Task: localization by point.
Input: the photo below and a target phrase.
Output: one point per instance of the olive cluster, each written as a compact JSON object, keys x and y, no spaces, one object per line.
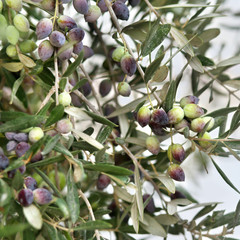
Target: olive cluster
{"x":186,"y":116}
{"x":15,"y":30}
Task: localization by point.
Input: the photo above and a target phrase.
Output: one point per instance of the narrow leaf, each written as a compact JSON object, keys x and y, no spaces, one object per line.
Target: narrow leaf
{"x":33,"y":216}
{"x":72,"y":197}
{"x":92,"y":225}
{"x":15,"y":88}
{"x":223,"y":175}
{"x":72,"y":67}
{"x":55,"y":115}
{"x":156,"y":35}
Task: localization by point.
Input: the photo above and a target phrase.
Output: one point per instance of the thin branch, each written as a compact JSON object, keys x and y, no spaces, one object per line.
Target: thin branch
{"x":91,"y":84}
{"x":90,"y":211}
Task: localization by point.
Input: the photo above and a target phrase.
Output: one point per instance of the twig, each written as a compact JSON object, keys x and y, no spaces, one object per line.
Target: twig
{"x":47,"y":98}
{"x":91,"y":84}
{"x":90,"y":211}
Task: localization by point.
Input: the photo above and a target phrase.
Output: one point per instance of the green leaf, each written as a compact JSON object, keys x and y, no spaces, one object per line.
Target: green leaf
{"x":137,"y":30}
{"x":47,"y":76}
{"x":195,"y":63}
{"x":72,"y":67}
{"x":170,"y":98}
{"x":134,"y":215}
{"x":206,"y":61}
{"x":17,"y":181}
{"x":235,"y":121}
{"x":209,"y":34}
{"x":21,"y":123}
{"x":182,"y":41}
{"x":83,"y":145}
{"x":7,"y":115}
{"x":107,"y":168}
{"x":11,"y":229}
{"x":62,"y":84}
{"x":156,"y":35}
{"x":51,"y":160}
{"x":21,"y":95}
{"x":61,"y":149}
{"x":50,"y":144}
{"x":44,"y":110}
{"x":104,"y":134}
{"x":79,"y":84}
{"x":16,"y":86}
{"x":161,"y":74}
{"x":55,"y":115}
{"x":72,"y":197}
{"x":153,"y":227}
{"x":223,"y":175}
{"x":5,"y":194}
{"x":222,"y":112}
{"x":152,"y":68}
{"x":229,"y":62}
{"x":92,"y":225}
{"x":33,"y":216}
{"x":100,"y":119}
{"x":204,"y":211}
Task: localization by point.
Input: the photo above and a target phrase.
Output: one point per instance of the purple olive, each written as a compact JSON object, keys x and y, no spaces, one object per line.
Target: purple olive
{"x":150,"y":207}
{"x":25,"y":197}
{"x":42,"y":196}
{"x":121,"y":10}
{"x":22,"y":148}
{"x":66,"y":23}
{"x":103,"y":181}
{"x":45,"y":50}
{"x":81,"y":6}
{"x":4,"y":162}
{"x":143,"y":116}
{"x":75,"y":35}
{"x":30,"y":183}
{"x":176,"y":172}
{"x":44,"y":28}
{"x":128,"y":64}
{"x":57,"y":39}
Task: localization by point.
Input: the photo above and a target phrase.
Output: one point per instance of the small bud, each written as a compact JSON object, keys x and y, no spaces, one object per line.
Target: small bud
{"x":176,"y":152}
{"x":152,"y":144}
{"x":176,"y":172}
{"x":187,"y":100}
{"x":64,"y":98}
{"x":124,"y":89}
{"x":175,"y":115}
{"x":193,"y":111}
{"x":35,"y":134}
{"x":143,"y":116}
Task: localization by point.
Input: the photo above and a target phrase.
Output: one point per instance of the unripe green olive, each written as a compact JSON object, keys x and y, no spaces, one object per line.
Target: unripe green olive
{"x":27,"y":46}
{"x":175,"y":115}
{"x":211,"y":122}
{"x":118,"y":53}
{"x":152,"y":144}
{"x":11,"y":51}
{"x":12,"y":34}
{"x":14,"y":4}
{"x":21,"y":23}
{"x":124,"y":89}
{"x":143,"y":116}
{"x":193,"y":111}
{"x":35,"y":134}
{"x":1,"y":5}
{"x":64,"y":99}
{"x":205,"y":144}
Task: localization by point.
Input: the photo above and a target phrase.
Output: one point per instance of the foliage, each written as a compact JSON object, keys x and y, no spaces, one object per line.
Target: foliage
{"x":91,"y":143}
